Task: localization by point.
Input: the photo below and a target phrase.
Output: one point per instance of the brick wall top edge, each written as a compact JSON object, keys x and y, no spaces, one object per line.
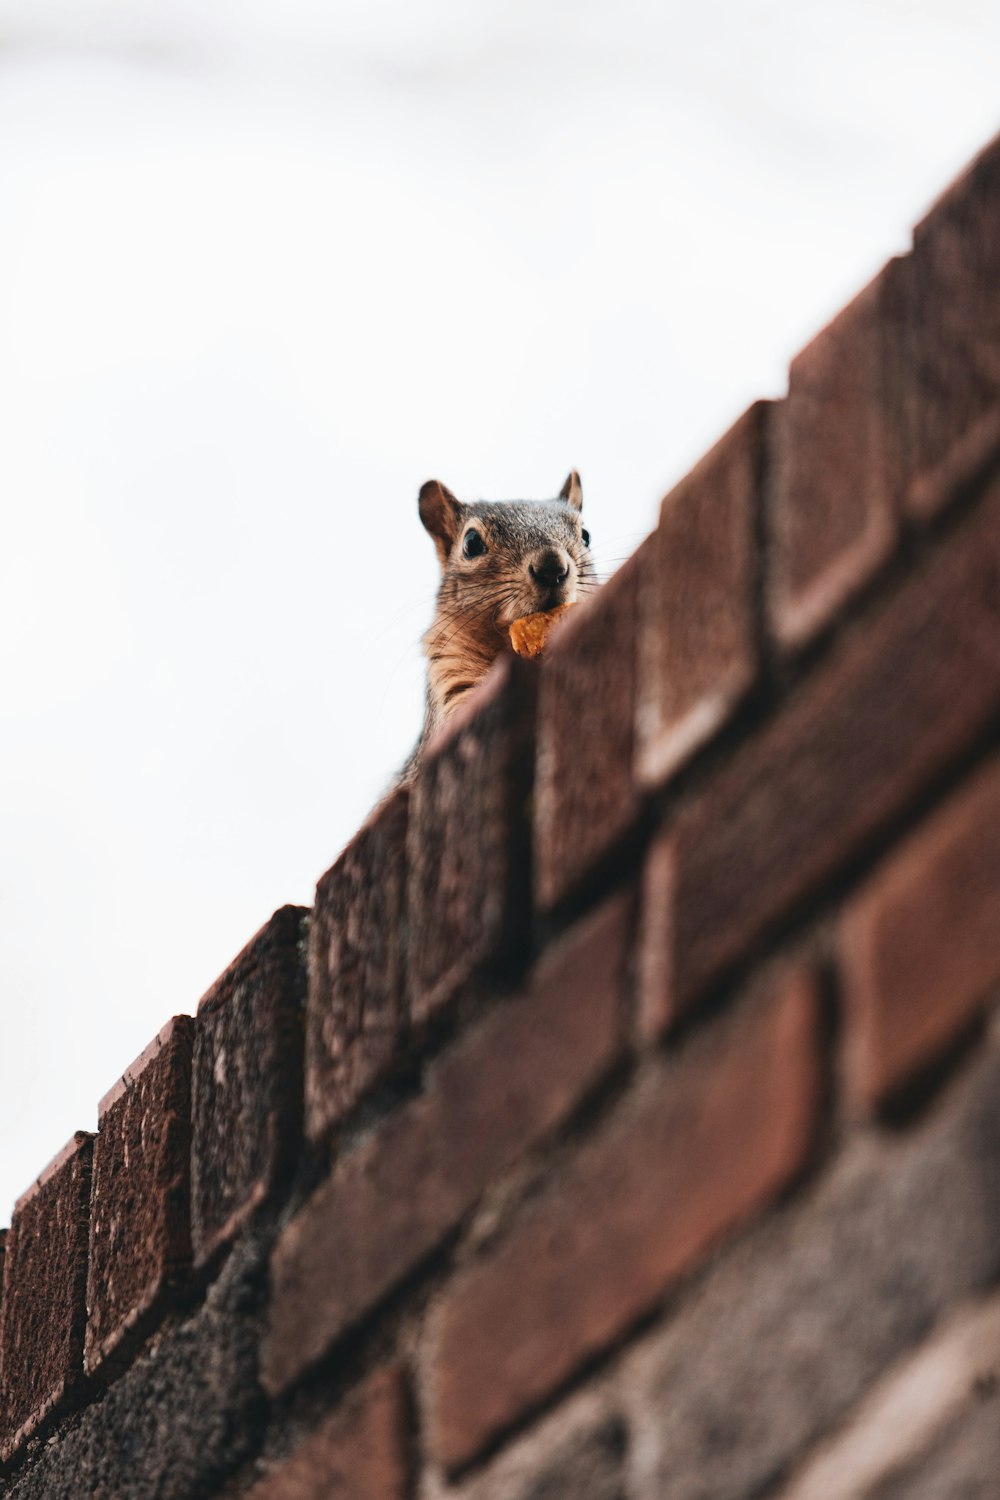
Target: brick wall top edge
{"x":135,"y":1069}
{"x":72,"y":1146}
{"x":985,"y":158}
{"x":708,"y":461}
{"x":843,"y":315}
{"x":473,"y":703}
{"x":289,"y":911}
{"x":395,"y":796}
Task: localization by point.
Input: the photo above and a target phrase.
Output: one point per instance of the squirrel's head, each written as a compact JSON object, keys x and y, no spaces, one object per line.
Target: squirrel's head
{"x":499,"y":562}
{"x":520,"y":556}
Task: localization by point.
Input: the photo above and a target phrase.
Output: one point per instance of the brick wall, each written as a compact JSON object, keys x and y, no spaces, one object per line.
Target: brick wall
{"x":623,"y":1121}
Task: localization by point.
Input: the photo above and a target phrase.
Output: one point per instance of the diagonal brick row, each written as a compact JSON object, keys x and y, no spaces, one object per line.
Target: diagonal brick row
{"x":623,"y":987}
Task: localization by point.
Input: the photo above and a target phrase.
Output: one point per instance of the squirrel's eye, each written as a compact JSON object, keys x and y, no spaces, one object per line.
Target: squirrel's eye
{"x":473,"y":544}
{"x":585,"y":536}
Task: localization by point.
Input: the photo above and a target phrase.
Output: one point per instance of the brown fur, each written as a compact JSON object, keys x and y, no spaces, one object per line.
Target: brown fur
{"x":535,"y":558}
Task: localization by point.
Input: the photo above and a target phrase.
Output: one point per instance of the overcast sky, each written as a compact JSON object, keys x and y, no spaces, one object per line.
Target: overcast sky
{"x":264,"y":268}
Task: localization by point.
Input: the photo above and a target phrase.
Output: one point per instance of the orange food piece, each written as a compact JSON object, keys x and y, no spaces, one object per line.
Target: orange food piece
{"x":529,"y":634}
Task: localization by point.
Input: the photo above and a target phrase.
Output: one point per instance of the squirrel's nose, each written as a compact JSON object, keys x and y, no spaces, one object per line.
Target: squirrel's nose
{"x":549,"y":567}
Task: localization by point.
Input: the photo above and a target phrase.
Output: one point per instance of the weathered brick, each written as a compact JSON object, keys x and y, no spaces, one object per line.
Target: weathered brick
{"x":692,"y":1154}
{"x":921,"y":942}
{"x":247,"y":1084}
{"x":589,"y":1466}
{"x":952,"y":362}
{"x":358,"y":1453}
{"x":585,"y":793}
{"x":964,"y":1464}
{"x":904,"y":1415}
{"x":900,"y":699}
{"x":185,"y":1414}
{"x":44,"y":1296}
{"x":502,"y":1087}
{"x":794,"y":1323}
{"x":357,"y":945}
{"x":696,"y":654}
{"x":140,"y":1226}
{"x":837,"y":456}
{"x":468,"y":889}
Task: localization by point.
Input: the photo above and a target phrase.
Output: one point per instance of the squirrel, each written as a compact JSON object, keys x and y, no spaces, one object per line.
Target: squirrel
{"x":499,"y":562}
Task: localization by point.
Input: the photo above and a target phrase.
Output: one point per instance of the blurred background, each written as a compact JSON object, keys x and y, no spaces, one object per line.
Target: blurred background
{"x":265,"y":266}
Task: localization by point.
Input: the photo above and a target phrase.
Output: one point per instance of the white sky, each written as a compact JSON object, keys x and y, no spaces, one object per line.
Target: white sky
{"x":264,"y":268}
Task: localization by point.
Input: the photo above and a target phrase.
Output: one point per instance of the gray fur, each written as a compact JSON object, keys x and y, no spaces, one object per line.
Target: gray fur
{"x":479,"y":598}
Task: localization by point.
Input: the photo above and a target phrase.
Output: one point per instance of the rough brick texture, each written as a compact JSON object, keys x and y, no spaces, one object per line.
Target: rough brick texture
{"x":953,"y":337}
{"x":468,"y":898}
{"x":176,"y":1423}
{"x":590,"y":1465}
{"x":862,"y":737}
{"x":357,"y":948}
{"x":836,"y":455}
{"x":697,"y":1152}
{"x":247,"y":1086}
{"x":963,"y":1464}
{"x":921,"y":942}
{"x":585,"y":795}
{"x":44,"y":1295}
{"x":796,"y":1323}
{"x":511,"y":1080}
{"x":920,"y":1397}
{"x":140,"y":1227}
{"x":359,"y":1453}
{"x":624,"y":1123}
{"x":696,"y":651}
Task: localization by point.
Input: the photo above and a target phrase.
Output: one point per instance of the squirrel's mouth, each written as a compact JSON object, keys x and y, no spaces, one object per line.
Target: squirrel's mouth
{"x":535,"y":601}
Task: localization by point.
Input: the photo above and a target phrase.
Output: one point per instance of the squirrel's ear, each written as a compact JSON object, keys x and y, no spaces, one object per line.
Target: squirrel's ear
{"x":572,"y":490}
{"x":441,"y":515}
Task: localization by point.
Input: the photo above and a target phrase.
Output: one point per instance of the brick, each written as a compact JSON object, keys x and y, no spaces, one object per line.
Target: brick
{"x":779,"y":1343}
{"x":501,"y":1088}
{"x":468,"y":887}
{"x":953,"y":337}
{"x":697,"y":655}
{"x":354,"y":1009}
{"x":965,"y":1463}
{"x":247,"y":1084}
{"x":921,"y":942}
{"x":140,"y":1225}
{"x":837,"y":456}
{"x":692,"y":1154}
{"x":44,"y":1296}
{"x":358,"y":1453}
{"x":181,"y":1418}
{"x":903,"y":696}
{"x":589,"y":1466}
{"x":585,"y":793}
{"x":906,"y":1413}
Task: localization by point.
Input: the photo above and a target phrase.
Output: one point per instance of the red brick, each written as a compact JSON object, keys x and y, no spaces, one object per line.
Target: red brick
{"x":921,"y":942}
{"x":44,"y":1296}
{"x":696,"y":634}
{"x":501,"y":1088}
{"x":358,"y":1453}
{"x":140,"y":1226}
{"x":903,"y":695}
{"x":247,"y":1083}
{"x":354,"y":1009}
{"x":585,"y":795}
{"x":688,"y":1157}
{"x":468,"y":890}
{"x":952,"y":365}
{"x":836,"y":463}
